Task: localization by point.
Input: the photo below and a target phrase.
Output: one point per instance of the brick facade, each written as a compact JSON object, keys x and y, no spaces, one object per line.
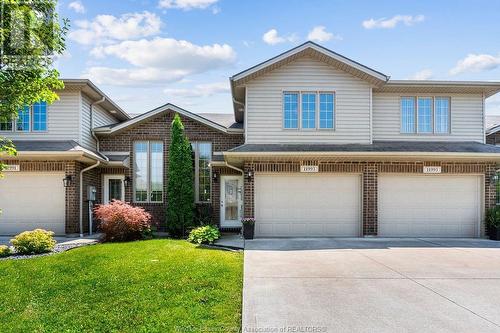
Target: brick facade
{"x":493,"y":139}
{"x":370,"y":172}
{"x":158,"y":128}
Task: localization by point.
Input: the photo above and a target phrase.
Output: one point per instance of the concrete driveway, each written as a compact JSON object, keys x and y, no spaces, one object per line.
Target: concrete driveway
{"x":371,"y":285}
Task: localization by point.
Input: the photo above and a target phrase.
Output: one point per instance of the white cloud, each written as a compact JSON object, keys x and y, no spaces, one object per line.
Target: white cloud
{"x":186,"y":4}
{"x":132,"y":76}
{"x":160,"y":60}
{"x":424,"y":74}
{"x":200,"y":90}
{"x":476,"y":63}
{"x":319,"y":34}
{"x":77,"y":6}
{"x":109,"y":28}
{"x":384,"y":23}
{"x":170,"y":53}
{"x":272,"y":37}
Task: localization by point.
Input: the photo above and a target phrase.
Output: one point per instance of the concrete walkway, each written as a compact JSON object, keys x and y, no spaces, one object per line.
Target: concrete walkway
{"x":371,"y":285}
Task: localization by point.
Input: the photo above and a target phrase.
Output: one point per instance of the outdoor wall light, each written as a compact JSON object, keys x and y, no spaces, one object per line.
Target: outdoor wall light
{"x":249,"y":174}
{"x":215,"y":176}
{"x":494,"y":178}
{"x":127,"y":181}
{"x":67,"y":180}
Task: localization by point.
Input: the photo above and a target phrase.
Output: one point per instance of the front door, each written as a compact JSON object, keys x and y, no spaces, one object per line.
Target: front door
{"x":113,"y":188}
{"x":231,"y":201}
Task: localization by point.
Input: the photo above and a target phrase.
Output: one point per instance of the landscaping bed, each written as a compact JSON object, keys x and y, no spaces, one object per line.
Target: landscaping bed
{"x":150,"y":286}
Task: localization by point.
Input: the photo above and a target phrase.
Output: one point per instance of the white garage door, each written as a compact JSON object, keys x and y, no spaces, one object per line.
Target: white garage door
{"x":311,"y":205}
{"x":429,"y":206}
{"x":32,"y":200}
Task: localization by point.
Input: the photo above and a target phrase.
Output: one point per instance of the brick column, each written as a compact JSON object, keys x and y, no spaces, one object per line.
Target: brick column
{"x":490,"y":192}
{"x":249,"y":192}
{"x":370,"y":188}
{"x":73,"y":168}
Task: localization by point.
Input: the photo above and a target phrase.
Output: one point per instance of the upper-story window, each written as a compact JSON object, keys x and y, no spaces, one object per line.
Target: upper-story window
{"x":425,"y":115}
{"x":202,"y":152}
{"x":291,"y":110}
{"x":326,"y":110}
{"x":316,"y":110}
{"x":30,"y":118}
{"x":148,"y":171}
{"x":308,"y":110}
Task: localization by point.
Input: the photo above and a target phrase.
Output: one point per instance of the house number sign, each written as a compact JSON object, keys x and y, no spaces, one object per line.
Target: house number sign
{"x":309,"y":168}
{"x":432,"y":169}
{"x":12,"y":168}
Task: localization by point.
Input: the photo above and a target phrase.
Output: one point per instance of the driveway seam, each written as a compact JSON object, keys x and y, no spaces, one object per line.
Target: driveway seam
{"x":432,"y":290}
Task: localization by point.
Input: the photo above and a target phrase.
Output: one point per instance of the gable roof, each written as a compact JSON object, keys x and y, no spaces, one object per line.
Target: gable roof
{"x":310,"y":49}
{"x":216,"y":121}
{"x":91,"y":90}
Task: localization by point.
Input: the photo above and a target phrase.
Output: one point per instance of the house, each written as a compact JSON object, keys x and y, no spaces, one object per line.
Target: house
{"x":318,"y":146}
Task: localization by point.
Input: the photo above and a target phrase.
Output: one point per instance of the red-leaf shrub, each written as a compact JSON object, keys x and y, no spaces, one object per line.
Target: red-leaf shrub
{"x":123,"y":222}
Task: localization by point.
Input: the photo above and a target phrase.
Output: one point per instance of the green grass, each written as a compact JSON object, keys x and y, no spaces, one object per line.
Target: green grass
{"x":146,"y":286}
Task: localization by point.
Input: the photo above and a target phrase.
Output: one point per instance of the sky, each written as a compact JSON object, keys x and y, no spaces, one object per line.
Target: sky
{"x":145,"y":53}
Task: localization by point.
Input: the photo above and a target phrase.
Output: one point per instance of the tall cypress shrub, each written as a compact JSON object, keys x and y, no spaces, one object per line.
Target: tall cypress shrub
{"x":180,"y":192}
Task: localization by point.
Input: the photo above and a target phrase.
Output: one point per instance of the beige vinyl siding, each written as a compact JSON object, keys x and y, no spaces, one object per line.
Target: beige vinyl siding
{"x":62,"y":120}
{"x":101,"y":118}
{"x":265,"y":113}
{"x":466,"y":118}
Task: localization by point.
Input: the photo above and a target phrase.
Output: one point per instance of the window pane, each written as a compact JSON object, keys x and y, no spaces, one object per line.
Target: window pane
{"x":40,"y":116}
{"x":23,"y":120}
{"x":442,"y":114}
{"x":5,"y":125}
{"x":291,"y":110}
{"x":424,"y":114}
{"x":156,"y":171}
{"x":141,"y":170}
{"x":308,"y":110}
{"x":326,"y":110}
{"x":204,"y":181}
{"x":407,"y":115}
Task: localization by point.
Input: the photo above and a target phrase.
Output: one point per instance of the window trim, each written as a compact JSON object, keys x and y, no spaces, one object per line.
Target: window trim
{"x":317,"y":93}
{"x":433,"y":116}
{"x":148,"y":176}
{"x":196,"y":182}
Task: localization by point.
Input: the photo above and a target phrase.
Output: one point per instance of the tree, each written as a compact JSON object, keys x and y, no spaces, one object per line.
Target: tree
{"x":31,"y":37}
{"x":180,"y":192}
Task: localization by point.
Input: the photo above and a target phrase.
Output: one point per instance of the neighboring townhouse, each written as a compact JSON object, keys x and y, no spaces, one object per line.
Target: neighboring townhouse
{"x":493,"y":130}
{"x":318,"y":146}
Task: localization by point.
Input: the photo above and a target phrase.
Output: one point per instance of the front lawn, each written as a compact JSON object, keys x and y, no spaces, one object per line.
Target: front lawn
{"x":146,"y":286}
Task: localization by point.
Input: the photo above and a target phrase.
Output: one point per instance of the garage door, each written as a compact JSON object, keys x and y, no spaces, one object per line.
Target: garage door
{"x":311,"y":205}
{"x":32,"y":200}
{"x":429,"y":206}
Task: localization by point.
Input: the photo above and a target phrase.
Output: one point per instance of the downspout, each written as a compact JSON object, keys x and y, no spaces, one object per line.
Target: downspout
{"x":92,"y":125}
{"x":91,"y":111}
{"x":81,"y":193}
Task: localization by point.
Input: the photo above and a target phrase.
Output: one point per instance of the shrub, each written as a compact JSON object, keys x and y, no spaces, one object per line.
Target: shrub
{"x":204,"y":235}
{"x":180,"y":189}
{"x":34,"y":242}
{"x":123,"y":222}
{"x":493,"y":217}
{"x":4,"y":251}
